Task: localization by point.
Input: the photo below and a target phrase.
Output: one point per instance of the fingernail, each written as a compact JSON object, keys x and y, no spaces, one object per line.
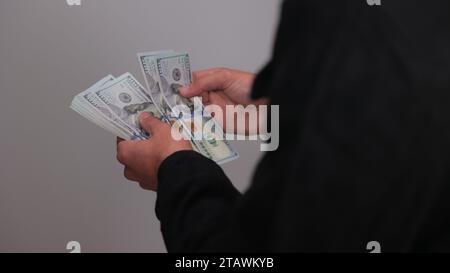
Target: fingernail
{"x":144,"y":115}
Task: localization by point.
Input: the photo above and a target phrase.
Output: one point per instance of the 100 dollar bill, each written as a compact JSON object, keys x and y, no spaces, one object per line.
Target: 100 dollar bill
{"x":174,"y":71}
{"x":127,"y":99}
{"x":91,"y":107}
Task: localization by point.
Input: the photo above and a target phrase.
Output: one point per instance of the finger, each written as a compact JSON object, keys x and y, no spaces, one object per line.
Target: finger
{"x":119,"y":140}
{"x":125,"y":149}
{"x":147,"y":187}
{"x":149,"y":123}
{"x":205,"y":98}
{"x":208,"y":80}
{"x":130,"y":174}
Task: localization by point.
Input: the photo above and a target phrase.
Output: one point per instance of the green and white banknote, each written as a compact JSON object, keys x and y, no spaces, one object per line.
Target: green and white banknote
{"x":116,"y":103}
{"x":165,"y":72}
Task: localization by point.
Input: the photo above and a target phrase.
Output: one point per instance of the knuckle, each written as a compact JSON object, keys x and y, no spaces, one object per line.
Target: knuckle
{"x":224,"y":72}
{"x":122,"y":154}
{"x":119,"y":157}
{"x":145,"y":186}
{"x":129,"y":175}
{"x":225,"y":76}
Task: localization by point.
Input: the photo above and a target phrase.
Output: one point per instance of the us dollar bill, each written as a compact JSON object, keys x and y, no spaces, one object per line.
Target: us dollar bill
{"x":86,"y":110}
{"x":127,"y":99}
{"x":147,"y":61}
{"x":174,"y":71}
{"x":148,"y":64}
{"x":92,"y":108}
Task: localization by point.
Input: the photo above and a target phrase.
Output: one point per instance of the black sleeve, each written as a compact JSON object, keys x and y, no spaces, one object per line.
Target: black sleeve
{"x":195,"y":200}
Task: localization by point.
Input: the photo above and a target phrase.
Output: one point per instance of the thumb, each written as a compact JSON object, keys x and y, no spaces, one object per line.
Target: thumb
{"x":205,"y":81}
{"x":149,"y":123}
{"x":189,"y":91}
{"x":194,"y":90}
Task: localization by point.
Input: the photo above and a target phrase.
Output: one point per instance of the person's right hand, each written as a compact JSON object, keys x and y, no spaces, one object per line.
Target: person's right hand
{"x":222,"y":87}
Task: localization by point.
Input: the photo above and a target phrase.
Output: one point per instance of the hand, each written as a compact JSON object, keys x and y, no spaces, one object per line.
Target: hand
{"x":143,"y":158}
{"x":222,"y":87}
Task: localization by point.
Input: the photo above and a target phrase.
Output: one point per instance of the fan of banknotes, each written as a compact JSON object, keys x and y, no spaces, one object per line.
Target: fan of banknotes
{"x":116,"y":103}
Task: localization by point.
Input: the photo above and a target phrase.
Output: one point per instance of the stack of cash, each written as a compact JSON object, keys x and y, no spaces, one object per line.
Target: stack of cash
{"x":116,"y":103}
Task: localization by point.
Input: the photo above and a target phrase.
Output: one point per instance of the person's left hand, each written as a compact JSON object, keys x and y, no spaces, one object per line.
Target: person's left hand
{"x":143,"y":158}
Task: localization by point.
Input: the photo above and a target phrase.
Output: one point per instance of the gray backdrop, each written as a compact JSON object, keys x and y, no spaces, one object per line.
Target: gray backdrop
{"x":59,"y":180}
